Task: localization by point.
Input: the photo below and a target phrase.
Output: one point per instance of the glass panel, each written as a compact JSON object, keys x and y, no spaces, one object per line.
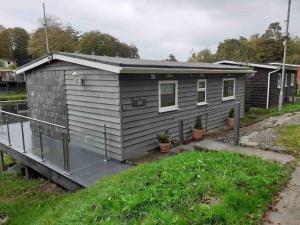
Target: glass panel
{"x":228,"y":88}
{"x":201,"y":96}
{"x":167,"y":92}
{"x":201,"y":84}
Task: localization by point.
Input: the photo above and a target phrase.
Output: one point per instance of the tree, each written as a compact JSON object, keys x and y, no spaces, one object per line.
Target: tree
{"x":5,"y":50}
{"x":171,"y":57}
{"x":19,"y":43}
{"x":203,"y":56}
{"x":273,"y":32}
{"x":95,"y":42}
{"x":63,"y":39}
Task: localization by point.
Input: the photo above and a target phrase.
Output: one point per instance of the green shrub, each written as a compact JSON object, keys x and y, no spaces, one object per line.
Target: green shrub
{"x":198,"y":123}
{"x":231,"y":113}
{"x":164,"y":137}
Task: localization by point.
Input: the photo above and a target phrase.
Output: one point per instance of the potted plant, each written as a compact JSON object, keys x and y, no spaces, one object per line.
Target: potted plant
{"x":164,"y":140}
{"x":198,"y":131}
{"x":230,"y":119}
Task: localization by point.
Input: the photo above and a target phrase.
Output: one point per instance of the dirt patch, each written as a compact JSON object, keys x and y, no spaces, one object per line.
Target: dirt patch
{"x":50,"y":187}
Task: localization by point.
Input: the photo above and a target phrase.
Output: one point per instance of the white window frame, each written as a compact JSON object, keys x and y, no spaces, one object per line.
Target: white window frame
{"x":202,"y":89}
{"x":167,"y":108}
{"x":229,"y":97}
{"x":285,"y":80}
{"x":279,"y":80}
{"x":292,"y":80}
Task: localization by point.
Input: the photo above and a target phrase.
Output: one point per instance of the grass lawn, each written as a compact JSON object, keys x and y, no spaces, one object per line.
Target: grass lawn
{"x":189,"y":188}
{"x":24,"y":200}
{"x":289,"y":137}
{"x":258,"y":114}
{"x":17,"y":95}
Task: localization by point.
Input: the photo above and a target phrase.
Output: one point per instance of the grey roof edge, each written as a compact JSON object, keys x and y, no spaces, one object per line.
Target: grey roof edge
{"x":115,"y":64}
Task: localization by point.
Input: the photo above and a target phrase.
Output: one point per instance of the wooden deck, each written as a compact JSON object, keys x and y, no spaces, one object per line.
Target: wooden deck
{"x":86,"y":167}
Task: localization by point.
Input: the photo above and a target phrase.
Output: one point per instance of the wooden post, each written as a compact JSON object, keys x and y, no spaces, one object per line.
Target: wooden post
{"x":236,"y":130}
{"x":2,"y":168}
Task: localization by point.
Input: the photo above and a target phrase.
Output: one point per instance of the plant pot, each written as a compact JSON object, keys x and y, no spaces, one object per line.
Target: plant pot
{"x":230,"y":122}
{"x":164,"y":147}
{"x":198,"y":134}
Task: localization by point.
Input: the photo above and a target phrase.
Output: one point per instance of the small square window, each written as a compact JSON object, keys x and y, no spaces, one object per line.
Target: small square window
{"x":292,"y":79}
{"x":168,"y":94}
{"x":201,"y":92}
{"x":228,"y":89}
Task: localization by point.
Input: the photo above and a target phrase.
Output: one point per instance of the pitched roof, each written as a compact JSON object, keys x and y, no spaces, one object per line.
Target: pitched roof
{"x":129,"y":65}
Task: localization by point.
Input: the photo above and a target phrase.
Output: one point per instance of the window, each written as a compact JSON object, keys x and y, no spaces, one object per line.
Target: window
{"x":292,"y":79}
{"x":228,"y":89}
{"x":168,"y":95}
{"x":285,"y":80}
{"x":279,"y":80}
{"x":201,"y":92}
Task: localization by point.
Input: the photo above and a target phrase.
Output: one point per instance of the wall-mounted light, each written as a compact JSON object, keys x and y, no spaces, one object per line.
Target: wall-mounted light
{"x":169,"y":75}
{"x":77,"y":80}
{"x":153,"y":76}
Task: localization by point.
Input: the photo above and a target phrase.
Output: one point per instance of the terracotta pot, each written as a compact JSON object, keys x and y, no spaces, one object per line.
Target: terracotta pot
{"x":230,"y":122}
{"x":164,"y":147}
{"x":198,"y":134}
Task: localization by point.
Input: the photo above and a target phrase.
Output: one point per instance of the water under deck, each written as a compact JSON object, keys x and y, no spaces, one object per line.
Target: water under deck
{"x":86,"y":166}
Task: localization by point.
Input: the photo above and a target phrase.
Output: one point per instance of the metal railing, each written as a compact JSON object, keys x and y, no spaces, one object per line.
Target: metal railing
{"x":14,"y":105}
{"x":21,"y":119}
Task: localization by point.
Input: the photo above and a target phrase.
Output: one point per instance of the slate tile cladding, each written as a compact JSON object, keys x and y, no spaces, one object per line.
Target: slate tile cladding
{"x":47,"y":100}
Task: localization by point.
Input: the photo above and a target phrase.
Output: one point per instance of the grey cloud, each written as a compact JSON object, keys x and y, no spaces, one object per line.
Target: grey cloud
{"x":159,"y":27}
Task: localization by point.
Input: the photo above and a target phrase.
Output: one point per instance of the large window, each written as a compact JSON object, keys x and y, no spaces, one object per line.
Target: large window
{"x":279,"y":80}
{"x":168,"y":95}
{"x":228,"y":89}
{"x":292,"y":79}
{"x":201,"y":92}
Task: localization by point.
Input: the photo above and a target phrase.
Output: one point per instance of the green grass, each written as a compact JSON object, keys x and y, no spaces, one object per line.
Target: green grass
{"x":258,"y":114}
{"x":8,"y":160}
{"x":17,"y":95}
{"x":175,"y":191}
{"x":289,"y":137}
{"x":23,"y":200}
{"x":298,"y":93}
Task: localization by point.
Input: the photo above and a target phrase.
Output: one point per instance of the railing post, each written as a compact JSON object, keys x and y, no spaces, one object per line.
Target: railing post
{"x":8,"y":131}
{"x":206,"y":119}
{"x":41,"y":143}
{"x":66,"y":154}
{"x":105,"y":144}
{"x":23,"y":139}
{"x":2,"y":166}
{"x":236,"y":130}
{"x":180,"y":131}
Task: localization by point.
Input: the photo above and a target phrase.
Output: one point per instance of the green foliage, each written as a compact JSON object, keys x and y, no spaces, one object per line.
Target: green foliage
{"x":95,"y":42}
{"x":258,"y":48}
{"x":203,"y":56}
{"x":164,"y":137}
{"x":257,"y":114}
{"x":198,"y":123}
{"x":289,"y":137}
{"x":172,"y":58}
{"x":17,"y":95}
{"x":23,"y":200}
{"x":189,"y":188}
{"x":61,"y":38}
{"x":231,"y":113}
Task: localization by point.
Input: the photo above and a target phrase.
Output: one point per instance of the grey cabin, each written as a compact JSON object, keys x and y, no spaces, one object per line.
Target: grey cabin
{"x":263,"y":86}
{"x":132,"y":99}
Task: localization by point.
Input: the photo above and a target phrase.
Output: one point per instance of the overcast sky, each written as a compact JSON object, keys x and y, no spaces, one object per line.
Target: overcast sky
{"x":158,"y":27}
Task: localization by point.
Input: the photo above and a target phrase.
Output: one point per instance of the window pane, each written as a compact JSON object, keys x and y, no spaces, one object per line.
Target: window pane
{"x":201,"y":96}
{"x":167,"y":92}
{"x":228,"y":88}
{"x":201,"y":84}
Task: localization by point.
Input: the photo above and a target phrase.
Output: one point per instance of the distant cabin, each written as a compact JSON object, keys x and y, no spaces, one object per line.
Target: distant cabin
{"x":263,"y":86}
{"x":135,"y":99}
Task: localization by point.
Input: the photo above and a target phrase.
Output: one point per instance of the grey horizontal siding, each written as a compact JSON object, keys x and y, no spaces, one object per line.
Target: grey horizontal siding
{"x":91,"y":106}
{"x":140,"y":125}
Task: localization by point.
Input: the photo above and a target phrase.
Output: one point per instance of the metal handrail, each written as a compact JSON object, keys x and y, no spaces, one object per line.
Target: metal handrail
{"x":13,"y":101}
{"x":33,"y":119}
